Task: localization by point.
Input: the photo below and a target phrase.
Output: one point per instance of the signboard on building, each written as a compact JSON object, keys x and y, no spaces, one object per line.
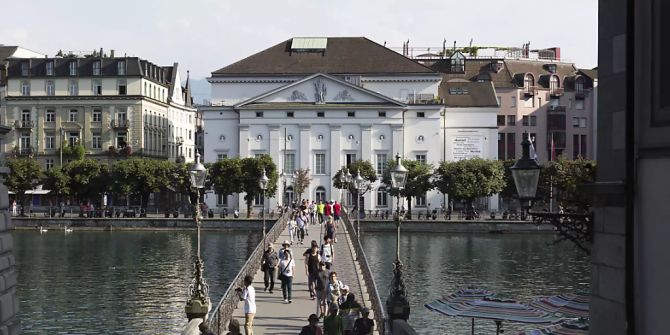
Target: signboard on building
{"x":466,"y":147}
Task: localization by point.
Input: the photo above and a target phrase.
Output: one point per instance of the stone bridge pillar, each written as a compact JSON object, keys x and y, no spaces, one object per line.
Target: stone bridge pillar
{"x":9,"y":303}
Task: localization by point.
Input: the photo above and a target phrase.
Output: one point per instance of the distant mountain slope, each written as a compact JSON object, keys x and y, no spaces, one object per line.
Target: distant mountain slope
{"x":200,"y":90}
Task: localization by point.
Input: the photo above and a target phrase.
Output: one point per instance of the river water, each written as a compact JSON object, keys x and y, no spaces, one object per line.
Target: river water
{"x":136,"y":282}
{"x":118,"y":282}
{"x":518,"y":266}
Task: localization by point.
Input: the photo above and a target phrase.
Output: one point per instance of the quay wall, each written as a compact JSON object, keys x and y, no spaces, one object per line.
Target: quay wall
{"x":429,"y":226}
{"x":140,"y":223}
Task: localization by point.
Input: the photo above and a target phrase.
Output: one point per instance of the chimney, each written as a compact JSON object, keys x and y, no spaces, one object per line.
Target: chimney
{"x":100,"y":55}
{"x":111,"y":53}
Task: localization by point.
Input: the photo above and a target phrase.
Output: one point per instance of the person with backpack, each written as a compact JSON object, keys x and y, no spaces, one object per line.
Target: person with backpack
{"x":334,"y":289}
{"x":312,"y":260}
{"x":364,"y":325}
{"x":350,"y":310}
{"x":327,"y":252}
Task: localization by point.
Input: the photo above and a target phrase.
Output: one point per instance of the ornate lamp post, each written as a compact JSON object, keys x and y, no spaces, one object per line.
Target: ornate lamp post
{"x":198,"y":304}
{"x":397,"y":305}
{"x":263,"y":183}
{"x":576,"y":227}
{"x":361,"y":187}
{"x":349,"y":178}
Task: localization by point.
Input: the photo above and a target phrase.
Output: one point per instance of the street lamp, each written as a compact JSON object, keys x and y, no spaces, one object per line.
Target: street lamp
{"x":576,"y":227}
{"x":349,"y":178}
{"x":263,"y":183}
{"x":360,"y":188}
{"x":198,"y":304}
{"x":397,"y":304}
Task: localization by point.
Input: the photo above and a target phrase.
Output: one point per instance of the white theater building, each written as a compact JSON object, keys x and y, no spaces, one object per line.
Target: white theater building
{"x":321,"y":103}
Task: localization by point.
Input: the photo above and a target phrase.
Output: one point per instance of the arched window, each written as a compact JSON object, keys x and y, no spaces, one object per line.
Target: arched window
{"x":458,"y":62}
{"x":320,"y":194}
{"x":579,"y":86}
{"x":528,"y":82}
{"x":554,"y":84}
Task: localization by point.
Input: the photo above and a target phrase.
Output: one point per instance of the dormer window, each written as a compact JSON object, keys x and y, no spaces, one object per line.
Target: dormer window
{"x":96,"y":68}
{"x":551,"y":68}
{"x":579,"y":88}
{"x":73,"y":68}
{"x":121,"y":68}
{"x":555,"y":89}
{"x":458,"y":63}
{"x":496,"y":66}
{"x":529,"y":84}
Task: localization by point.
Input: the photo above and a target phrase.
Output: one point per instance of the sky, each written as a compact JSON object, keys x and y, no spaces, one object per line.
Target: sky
{"x":205,"y":35}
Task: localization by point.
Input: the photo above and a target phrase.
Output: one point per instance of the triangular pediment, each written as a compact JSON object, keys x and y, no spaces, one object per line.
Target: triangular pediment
{"x":321,"y":89}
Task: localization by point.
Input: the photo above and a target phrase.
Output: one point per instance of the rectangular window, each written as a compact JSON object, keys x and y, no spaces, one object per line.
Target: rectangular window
{"x":49,"y":164}
{"x":73,"y":115}
{"x":97,"y":87}
{"x":382,"y":198}
{"x":524,"y":120}
{"x":73,"y":138}
{"x":259,"y":114}
{"x":221,"y":200}
{"x":97,"y":141}
{"x":50,"y":88}
{"x":50,"y":141}
{"x":382,"y":114}
{"x":421,"y":158}
{"x":381,"y":163}
{"x":350,"y":158}
{"x":122,"y":87}
{"x":97,"y":115}
{"x":320,"y":163}
{"x":420,"y":114}
{"x":513,"y":101}
{"x":420,"y":201}
{"x":25,"y":141}
{"x":121,"y":68}
{"x":351,"y":114}
{"x":583,"y":143}
{"x":511,"y":120}
{"x":579,"y":104}
{"x":320,"y":114}
{"x":25,"y":88}
{"x":501,"y":120}
{"x":50,"y":115}
{"x":289,"y":114}
{"x":501,"y":146}
{"x":582,"y":122}
{"x":73,"y":88}
{"x":25,"y":69}
{"x":50,"y":68}
{"x":220,"y":157}
{"x":259,"y":200}
{"x":575,"y":122}
{"x":511,"y":146}
{"x":73,"y":68}
{"x":190,"y":134}
{"x":96,"y":68}
{"x":533,"y":120}
{"x":290,"y":163}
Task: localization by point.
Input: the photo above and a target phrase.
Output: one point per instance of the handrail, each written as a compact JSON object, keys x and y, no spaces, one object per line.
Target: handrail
{"x":375,"y":299}
{"x":221,"y":315}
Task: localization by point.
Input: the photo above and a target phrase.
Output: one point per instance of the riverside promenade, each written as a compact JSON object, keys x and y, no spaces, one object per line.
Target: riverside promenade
{"x":273,"y":316}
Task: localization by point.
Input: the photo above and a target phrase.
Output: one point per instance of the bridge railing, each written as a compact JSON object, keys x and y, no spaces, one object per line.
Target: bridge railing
{"x":380,"y":316}
{"x":221,"y":315}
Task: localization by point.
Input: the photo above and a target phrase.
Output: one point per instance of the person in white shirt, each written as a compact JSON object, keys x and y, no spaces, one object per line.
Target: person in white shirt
{"x":286,"y":268}
{"x":327,"y":252}
{"x":300,"y":222}
{"x":248,"y":295}
{"x":292,"y":227}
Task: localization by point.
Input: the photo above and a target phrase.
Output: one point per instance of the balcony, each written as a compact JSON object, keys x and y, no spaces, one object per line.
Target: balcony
{"x":556,"y":92}
{"x":580,"y":95}
{"x":24,"y":124}
{"x":23,"y":152}
{"x":529,"y":91}
{"x":423,"y":99}
{"x":556,"y":110}
{"x":119,"y":124}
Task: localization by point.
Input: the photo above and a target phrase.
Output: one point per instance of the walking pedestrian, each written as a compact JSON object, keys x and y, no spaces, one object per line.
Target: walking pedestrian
{"x":300,"y":224}
{"x":284,"y":246}
{"x":334,"y":289}
{"x":269,"y":266}
{"x":14,"y":209}
{"x":350,"y":310}
{"x":344,"y":294}
{"x":322,"y":290}
{"x":330,"y":228}
{"x":332,"y":324}
{"x":234,"y":327}
{"x":320,"y":210}
{"x":286,"y":268}
{"x":312,"y":328}
{"x":312,"y":212}
{"x":312,"y":260}
{"x":327,"y":252}
{"x":248,"y":295}
{"x":204,"y":329}
{"x":292,"y":227}
{"x":364,"y":325}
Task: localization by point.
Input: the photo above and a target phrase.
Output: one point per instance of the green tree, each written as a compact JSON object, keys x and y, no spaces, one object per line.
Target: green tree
{"x":140,"y":176}
{"x":568,"y":178}
{"x":25,"y":174}
{"x":469,"y":179}
{"x":58,"y":182}
{"x":87,"y":178}
{"x":252,"y":170}
{"x":75,"y":151}
{"x":301,"y":180}
{"x":367,"y":172}
{"x":225,"y":176}
{"x":417,"y":183}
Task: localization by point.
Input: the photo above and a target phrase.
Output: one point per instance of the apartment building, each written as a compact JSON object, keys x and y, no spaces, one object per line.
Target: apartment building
{"x":114,"y":107}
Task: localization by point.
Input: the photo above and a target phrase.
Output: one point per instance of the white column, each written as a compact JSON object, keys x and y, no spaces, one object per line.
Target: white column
{"x":275,"y":143}
{"x":335,"y":157}
{"x":366,"y":154}
{"x":398,"y":146}
{"x":244,"y":141}
{"x":305,"y":152}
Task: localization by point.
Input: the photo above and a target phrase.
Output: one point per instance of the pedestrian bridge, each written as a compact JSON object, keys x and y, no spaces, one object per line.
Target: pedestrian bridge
{"x":273,"y":316}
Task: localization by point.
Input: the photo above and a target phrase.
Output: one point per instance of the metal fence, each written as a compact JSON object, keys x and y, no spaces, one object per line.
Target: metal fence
{"x":221,"y":315}
{"x":375,"y":299}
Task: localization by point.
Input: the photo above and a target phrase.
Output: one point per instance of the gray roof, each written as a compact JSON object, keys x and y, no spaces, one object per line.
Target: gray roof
{"x":7,"y":51}
{"x":342,"y":55}
{"x":464,"y":93}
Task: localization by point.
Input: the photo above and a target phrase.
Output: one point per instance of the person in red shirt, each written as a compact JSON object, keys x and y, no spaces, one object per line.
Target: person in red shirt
{"x":337,"y":208}
{"x":329,"y":209}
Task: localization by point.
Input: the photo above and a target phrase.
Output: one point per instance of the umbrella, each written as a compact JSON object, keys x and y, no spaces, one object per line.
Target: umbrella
{"x":567,"y":305}
{"x":572,"y":327}
{"x":490,"y":307}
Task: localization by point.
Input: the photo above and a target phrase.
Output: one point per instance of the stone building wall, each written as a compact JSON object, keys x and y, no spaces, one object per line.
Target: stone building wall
{"x":9,"y":303}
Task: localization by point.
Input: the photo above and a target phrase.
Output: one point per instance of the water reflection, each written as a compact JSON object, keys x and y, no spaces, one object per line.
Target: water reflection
{"x":118,"y":282}
{"x":520,"y":266}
